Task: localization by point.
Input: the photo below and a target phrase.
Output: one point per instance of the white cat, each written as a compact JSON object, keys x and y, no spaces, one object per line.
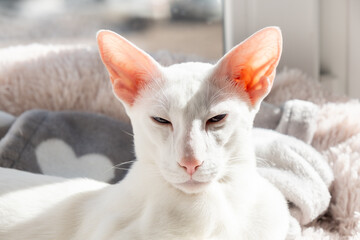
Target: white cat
{"x":195,"y":177}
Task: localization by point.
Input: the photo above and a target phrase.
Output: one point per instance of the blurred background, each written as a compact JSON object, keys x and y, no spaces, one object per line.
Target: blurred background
{"x":185,"y":26}
{"x":321,"y":37}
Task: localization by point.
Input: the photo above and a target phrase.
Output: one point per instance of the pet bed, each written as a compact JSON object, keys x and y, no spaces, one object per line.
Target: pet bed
{"x":73,"y":78}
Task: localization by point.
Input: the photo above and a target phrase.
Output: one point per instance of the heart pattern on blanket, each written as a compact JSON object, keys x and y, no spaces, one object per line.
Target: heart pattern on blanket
{"x":57,"y":158}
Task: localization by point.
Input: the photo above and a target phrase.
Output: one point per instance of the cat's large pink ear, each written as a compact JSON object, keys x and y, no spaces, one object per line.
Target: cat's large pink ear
{"x":251,"y":65}
{"x":130,"y":68}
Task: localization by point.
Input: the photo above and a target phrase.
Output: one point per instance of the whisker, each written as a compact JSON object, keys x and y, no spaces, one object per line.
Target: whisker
{"x":118,"y":166}
{"x":125,"y":169}
{"x":123,"y":163}
{"x":232,"y":159}
{"x":126,"y":132}
{"x":262,"y":162}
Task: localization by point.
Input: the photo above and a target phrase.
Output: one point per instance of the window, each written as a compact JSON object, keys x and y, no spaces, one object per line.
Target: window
{"x":321,"y":37}
{"x":182,"y":26}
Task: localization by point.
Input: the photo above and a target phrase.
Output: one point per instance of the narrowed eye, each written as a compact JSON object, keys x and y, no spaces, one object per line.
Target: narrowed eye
{"x":161,"y":120}
{"x":217,"y":118}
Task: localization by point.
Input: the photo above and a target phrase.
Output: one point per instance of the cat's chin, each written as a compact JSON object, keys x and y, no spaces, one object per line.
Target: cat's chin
{"x":192,"y":186}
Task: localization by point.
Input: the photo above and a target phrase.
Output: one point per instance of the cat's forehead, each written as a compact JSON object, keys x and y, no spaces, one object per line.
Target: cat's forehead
{"x":187,"y":76}
{"x":187,"y":91}
{"x":187,"y":81}
{"x":190,"y":66}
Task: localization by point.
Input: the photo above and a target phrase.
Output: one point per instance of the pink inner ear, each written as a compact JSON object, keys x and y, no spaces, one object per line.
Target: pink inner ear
{"x":127,"y":83}
{"x":256,"y":83}
{"x":251,"y":64}
{"x":130,"y":68}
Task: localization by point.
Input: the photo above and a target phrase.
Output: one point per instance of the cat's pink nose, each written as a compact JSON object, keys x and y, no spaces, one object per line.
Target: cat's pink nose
{"x":190,"y":164}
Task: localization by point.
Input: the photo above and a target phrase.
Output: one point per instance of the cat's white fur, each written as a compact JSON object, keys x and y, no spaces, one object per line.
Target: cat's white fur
{"x":224,"y":199}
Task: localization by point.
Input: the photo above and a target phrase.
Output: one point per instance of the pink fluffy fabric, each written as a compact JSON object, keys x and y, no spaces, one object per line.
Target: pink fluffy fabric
{"x":337,"y":137}
{"x":55,"y":78}
{"x":73,"y":78}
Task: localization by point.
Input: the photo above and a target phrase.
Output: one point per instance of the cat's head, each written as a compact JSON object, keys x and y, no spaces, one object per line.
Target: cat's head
{"x":193,"y":120}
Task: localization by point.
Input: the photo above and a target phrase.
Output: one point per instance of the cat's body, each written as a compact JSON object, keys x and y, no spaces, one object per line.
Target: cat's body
{"x":81,"y":209}
{"x":195,"y":177}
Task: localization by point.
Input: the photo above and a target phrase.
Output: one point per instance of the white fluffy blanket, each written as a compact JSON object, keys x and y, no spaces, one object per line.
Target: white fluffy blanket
{"x":79,"y":82}
{"x":337,"y":137}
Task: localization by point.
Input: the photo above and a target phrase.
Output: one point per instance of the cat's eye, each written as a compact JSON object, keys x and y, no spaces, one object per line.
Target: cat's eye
{"x":217,"y":118}
{"x":161,"y":120}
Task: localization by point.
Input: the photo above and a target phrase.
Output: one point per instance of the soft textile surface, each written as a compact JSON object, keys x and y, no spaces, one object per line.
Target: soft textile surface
{"x":68,"y":144}
{"x":5,"y":122}
{"x":69,"y":77}
{"x":337,"y":137}
{"x":297,"y":170}
{"x":295,"y":118}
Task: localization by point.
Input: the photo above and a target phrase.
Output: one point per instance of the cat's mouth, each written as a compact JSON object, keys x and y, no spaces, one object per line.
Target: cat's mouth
{"x":192,"y":186}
